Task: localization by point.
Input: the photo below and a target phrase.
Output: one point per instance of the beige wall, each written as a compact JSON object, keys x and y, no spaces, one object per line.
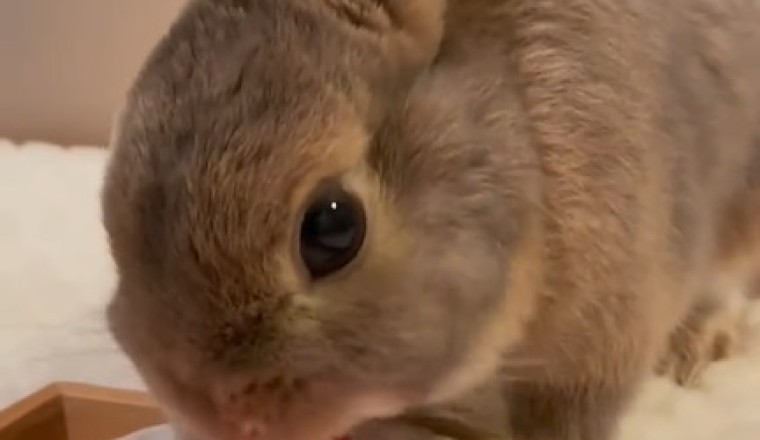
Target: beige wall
{"x":65,"y":64}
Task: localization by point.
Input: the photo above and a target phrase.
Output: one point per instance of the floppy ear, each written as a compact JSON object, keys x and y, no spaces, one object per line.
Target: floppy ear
{"x":410,"y":30}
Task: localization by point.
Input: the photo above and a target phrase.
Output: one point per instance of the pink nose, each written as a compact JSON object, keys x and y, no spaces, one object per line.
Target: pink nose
{"x":253,"y":430}
{"x":245,"y":428}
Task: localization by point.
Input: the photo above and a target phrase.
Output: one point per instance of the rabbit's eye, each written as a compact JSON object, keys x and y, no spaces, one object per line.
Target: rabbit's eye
{"x":332,"y":232}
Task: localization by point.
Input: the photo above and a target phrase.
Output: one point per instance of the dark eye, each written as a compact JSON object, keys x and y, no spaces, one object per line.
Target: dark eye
{"x":332,"y":232}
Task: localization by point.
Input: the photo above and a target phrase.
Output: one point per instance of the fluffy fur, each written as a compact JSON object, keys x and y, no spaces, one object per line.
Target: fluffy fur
{"x":67,"y":269}
{"x":553,"y":188}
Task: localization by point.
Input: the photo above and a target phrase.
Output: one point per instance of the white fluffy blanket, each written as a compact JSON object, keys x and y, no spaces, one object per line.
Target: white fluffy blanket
{"x":56,"y":275}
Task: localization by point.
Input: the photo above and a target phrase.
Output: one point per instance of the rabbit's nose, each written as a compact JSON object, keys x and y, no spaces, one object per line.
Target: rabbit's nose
{"x":242,"y":425}
{"x":253,"y":430}
{"x":247,"y":429}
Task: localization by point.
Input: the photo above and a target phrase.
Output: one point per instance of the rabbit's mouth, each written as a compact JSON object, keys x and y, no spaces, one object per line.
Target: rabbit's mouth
{"x":318,"y":411}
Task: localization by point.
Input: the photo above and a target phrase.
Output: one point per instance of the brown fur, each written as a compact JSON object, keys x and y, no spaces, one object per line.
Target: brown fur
{"x":553,"y":188}
{"x":755,"y":289}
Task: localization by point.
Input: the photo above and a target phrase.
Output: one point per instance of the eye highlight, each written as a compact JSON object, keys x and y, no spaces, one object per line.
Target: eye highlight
{"x":332,"y":231}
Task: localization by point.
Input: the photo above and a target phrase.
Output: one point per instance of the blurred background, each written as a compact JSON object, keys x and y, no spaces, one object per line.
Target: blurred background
{"x":66,"y":64}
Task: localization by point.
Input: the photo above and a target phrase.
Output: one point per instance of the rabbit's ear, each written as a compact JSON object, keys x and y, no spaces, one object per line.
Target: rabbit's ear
{"x":411,"y":29}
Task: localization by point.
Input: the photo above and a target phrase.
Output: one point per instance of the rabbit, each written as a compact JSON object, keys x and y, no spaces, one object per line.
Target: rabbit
{"x":327,"y":214}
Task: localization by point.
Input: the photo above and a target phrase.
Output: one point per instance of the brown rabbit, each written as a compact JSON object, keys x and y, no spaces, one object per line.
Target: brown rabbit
{"x":327,"y":212}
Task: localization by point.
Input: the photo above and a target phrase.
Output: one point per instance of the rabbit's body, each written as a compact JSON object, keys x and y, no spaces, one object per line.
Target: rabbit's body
{"x":542,"y":191}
